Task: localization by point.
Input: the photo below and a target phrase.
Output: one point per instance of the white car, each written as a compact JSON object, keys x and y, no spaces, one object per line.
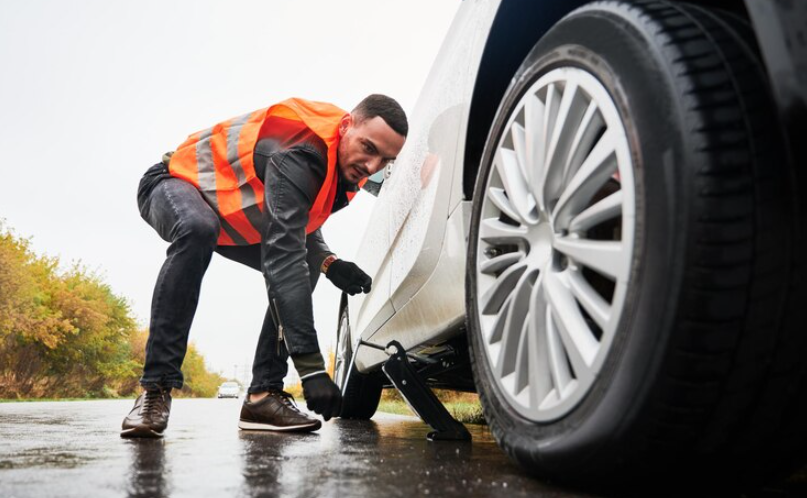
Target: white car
{"x":229,"y":390}
{"x":597,"y":224}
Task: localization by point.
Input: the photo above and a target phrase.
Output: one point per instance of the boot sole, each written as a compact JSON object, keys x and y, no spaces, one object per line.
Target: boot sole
{"x":141,"y":432}
{"x":257,"y":426}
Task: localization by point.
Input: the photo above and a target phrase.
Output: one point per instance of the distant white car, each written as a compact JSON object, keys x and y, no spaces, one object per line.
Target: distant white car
{"x":229,"y":390}
{"x":597,"y":223}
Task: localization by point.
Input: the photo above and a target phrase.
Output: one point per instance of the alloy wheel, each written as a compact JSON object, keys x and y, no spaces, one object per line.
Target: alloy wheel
{"x":555,"y":243}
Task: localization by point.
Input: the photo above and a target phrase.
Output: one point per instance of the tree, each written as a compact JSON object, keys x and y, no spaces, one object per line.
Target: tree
{"x":65,"y":333}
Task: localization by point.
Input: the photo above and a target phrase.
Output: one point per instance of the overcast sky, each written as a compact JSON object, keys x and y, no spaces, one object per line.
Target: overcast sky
{"x":93,"y":92}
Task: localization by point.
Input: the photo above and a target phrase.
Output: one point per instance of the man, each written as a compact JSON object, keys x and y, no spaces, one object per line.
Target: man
{"x":256,"y":189}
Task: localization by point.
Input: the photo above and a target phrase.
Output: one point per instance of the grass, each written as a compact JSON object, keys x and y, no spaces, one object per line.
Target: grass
{"x":466,"y":413}
{"x":464,"y":407}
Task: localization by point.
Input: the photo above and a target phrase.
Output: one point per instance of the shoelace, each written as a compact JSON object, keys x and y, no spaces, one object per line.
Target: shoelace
{"x":152,"y":402}
{"x":287,"y":399}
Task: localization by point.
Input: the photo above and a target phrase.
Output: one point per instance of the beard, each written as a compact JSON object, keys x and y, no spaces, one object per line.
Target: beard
{"x":351,"y":174}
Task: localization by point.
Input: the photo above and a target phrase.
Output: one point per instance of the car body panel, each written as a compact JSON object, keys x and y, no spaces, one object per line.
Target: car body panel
{"x":404,"y":239}
{"x":437,"y":311}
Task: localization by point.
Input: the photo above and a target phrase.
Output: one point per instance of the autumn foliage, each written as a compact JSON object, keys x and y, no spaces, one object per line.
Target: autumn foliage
{"x":64,"y":333}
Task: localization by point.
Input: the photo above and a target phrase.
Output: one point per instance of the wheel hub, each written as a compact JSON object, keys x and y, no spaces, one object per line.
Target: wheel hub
{"x":541,"y":238}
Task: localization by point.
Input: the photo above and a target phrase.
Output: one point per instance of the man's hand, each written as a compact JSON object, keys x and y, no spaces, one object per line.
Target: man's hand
{"x":322,"y":396}
{"x":349,"y":277}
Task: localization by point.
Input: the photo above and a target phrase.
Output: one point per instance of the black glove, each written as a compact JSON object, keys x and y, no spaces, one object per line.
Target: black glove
{"x":322,"y":396}
{"x":349,"y":277}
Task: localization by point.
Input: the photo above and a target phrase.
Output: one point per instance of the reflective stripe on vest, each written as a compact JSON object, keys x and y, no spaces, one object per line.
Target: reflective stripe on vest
{"x":219,"y":162}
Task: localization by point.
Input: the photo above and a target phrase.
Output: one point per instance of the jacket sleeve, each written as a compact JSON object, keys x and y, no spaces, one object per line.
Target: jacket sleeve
{"x":317,"y":251}
{"x":292,"y":180}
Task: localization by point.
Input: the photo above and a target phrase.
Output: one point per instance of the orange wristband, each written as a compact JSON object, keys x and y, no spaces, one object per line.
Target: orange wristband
{"x":327,"y":262}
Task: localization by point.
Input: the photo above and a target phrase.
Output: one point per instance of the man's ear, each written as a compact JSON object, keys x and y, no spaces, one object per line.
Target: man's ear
{"x":344,"y":124}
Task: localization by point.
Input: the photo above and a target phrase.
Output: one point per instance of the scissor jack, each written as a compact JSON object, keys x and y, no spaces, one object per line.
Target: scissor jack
{"x":420,"y":397}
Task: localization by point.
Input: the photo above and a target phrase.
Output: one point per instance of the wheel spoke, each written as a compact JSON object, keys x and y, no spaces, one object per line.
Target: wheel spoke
{"x":522,"y":367}
{"x":589,"y":299}
{"x":494,"y":231}
{"x":580,"y":344}
{"x":497,"y":329}
{"x":591,"y":126}
{"x":571,"y":110}
{"x":519,"y":136}
{"x":535,"y":147}
{"x":540,"y":376}
{"x":558,"y":366}
{"x":593,"y":173}
{"x":550,"y":179}
{"x":514,"y":325}
{"x":499,"y":263}
{"x":500,"y":200}
{"x":602,"y":210}
{"x":551,"y":104}
{"x":515,"y":184}
{"x":491,"y":302}
{"x":605,"y":257}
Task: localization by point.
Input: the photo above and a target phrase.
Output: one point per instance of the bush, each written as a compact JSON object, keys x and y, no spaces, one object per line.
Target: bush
{"x":66,"y":334}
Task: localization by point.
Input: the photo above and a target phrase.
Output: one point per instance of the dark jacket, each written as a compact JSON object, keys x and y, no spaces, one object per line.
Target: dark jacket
{"x":288,"y":258}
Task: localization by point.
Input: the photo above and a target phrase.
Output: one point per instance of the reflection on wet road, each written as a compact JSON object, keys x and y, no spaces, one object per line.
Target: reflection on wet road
{"x":73,"y":449}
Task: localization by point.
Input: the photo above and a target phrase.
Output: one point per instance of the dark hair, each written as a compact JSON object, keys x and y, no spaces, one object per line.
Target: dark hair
{"x":386,"y":107}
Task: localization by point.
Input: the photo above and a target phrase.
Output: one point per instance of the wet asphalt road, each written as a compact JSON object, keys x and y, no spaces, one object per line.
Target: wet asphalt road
{"x":68,"y":449}
{"x":73,"y":449}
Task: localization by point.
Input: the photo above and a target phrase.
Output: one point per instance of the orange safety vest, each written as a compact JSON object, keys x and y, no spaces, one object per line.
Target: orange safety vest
{"x":219,"y":162}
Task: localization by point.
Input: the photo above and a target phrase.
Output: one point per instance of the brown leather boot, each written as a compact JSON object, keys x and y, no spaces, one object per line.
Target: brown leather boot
{"x":276,"y":412}
{"x":149,"y":417}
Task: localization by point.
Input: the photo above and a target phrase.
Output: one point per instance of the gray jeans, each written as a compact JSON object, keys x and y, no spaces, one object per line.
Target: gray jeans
{"x":179,"y":214}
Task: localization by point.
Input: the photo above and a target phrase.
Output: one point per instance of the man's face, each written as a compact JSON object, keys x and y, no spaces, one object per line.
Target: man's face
{"x":366,"y":147}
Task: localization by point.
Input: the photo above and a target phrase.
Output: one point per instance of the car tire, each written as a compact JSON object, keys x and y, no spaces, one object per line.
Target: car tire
{"x":701,"y":377}
{"x":361,"y":393}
